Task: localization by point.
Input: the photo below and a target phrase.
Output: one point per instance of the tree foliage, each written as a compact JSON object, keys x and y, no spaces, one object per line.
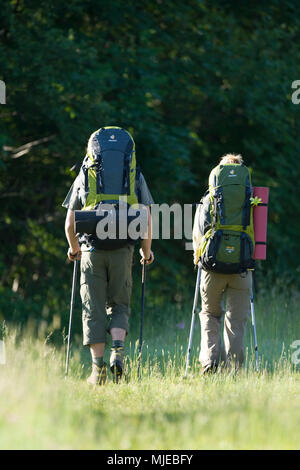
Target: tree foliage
{"x":191,"y":80}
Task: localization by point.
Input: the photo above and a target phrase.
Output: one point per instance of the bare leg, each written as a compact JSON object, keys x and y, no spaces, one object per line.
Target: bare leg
{"x":97,"y":350}
{"x":118,"y":334}
{"x":98,"y":375}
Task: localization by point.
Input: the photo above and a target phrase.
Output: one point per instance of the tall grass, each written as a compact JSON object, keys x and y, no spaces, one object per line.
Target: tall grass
{"x":40,"y":409}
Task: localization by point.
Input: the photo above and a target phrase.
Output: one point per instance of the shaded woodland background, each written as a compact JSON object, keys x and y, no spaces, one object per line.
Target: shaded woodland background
{"x":190,"y":79}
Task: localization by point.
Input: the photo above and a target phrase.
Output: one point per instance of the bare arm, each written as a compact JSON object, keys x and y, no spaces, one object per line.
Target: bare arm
{"x":145,"y":250}
{"x":196,"y":235}
{"x":74,"y":251}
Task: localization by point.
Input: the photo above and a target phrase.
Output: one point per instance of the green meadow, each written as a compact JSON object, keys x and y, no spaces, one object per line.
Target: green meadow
{"x":41,"y":409}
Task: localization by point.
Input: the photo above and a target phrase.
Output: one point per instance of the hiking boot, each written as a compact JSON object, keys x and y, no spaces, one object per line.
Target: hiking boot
{"x":98,"y":375}
{"x":116,"y":362}
{"x":208,"y":369}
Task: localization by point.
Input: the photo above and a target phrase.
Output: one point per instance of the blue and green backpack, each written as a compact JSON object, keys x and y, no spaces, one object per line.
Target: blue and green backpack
{"x":110,"y":167}
{"x":109,"y":174}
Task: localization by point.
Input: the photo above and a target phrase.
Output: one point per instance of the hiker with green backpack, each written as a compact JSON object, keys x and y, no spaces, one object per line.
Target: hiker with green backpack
{"x":108,"y":175}
{"x":223,"y":243}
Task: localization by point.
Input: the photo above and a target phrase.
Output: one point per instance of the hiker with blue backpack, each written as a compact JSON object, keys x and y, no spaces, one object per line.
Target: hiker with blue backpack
{"x":223,"y":243}
{"x":108,"y":175}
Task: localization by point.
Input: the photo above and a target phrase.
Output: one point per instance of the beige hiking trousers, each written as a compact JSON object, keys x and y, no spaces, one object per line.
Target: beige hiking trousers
{"x":221,"y":294}
{"x":105,"y":288}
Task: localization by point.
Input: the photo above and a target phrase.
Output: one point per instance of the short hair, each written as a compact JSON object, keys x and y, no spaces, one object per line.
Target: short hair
{"x":231,"y":158}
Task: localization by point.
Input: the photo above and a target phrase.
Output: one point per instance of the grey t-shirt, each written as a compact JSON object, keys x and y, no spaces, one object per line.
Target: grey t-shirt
{"x":76,"y":195}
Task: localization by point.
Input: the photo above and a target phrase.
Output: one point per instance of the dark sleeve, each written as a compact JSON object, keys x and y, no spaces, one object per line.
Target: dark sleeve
{"x":143,"y":191}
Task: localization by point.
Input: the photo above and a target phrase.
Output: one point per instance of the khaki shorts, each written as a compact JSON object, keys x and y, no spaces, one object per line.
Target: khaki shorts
{"x":105,"y":289}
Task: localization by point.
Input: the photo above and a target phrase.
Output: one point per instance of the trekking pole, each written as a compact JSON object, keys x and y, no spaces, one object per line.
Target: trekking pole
{"x":142,"y":319}
{"x":254,"y":330}
{"x":193,"y":320}
{"x":75,"y":271}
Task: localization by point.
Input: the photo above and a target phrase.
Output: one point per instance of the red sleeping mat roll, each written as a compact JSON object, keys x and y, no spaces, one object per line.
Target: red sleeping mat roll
{"x":260,"y":221}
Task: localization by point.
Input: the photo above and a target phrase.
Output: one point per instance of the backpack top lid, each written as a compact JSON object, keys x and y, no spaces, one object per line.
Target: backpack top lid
{"x":228,"y":174}
{"x":110,"y":139}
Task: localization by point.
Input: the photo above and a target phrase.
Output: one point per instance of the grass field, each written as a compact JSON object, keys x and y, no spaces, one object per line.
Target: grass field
{"x":40,"y":409}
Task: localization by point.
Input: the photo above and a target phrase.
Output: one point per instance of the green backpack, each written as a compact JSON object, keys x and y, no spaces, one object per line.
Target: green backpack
{"x":226,"y":221}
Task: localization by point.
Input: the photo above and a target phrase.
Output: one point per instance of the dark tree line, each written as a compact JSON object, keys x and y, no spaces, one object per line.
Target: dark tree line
{"x":191,"y":80}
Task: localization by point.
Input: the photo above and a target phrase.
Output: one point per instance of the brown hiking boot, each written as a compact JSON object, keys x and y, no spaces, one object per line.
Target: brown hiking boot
{"x":208,"y":369}
{"x":98,"y":375}
{"x":116,"y":363}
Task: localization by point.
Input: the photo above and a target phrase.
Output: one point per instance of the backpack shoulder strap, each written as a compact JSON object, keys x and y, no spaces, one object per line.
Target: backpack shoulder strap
{"x":137,"y":182}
